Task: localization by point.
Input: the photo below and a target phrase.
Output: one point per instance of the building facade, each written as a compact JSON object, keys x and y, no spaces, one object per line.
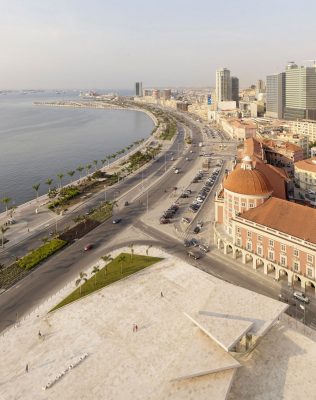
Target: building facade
{"x":235,"y":89}
{"x":304,"y":127}
{"x":264,"y":231}
{"x":223,"y":85}
{"x":275,"y":100}
{"x":300,"y":92}
{"x":305,"y":174}
{"x":139,"y":89}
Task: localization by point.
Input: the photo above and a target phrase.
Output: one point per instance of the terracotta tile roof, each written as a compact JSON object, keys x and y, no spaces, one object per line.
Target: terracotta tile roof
{"x":278,"y":144}
{"x":307,"y":165}
{"x":286,"y":217}
{"x":277,"y":177}
{"x":245,"y":181}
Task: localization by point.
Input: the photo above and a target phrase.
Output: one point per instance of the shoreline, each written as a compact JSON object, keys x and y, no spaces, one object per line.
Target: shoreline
{"x":43,"y":199}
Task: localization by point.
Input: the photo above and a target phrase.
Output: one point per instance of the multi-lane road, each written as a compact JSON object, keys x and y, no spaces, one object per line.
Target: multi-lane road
{"x":160,"y":178}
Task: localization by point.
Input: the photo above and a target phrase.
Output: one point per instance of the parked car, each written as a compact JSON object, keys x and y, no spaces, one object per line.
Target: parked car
{"x":116,"y":220}
{"x":200,"y":224}
{"x":164,"y":221}
{"x":204,"y":248}
{"x":187,"y":243}
{"x":197,"y":229}
{"x":194,"y":242}
{"x":301,"y":297}
{"x":185,"y":219}
{"x":88,"y":247}
{"x":194,"y":254}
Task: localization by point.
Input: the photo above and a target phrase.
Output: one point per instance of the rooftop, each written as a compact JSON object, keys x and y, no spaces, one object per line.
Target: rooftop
{"x":285,"y":216}
{"x":307,"y":165}
{"x":178,"y":352}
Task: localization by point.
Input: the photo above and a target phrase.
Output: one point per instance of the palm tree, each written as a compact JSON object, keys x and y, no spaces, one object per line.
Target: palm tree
{"x":60,"y":177}
{"x":131,"y":246}
{"x":95,"y":162}
{"x":121,"y":259}
{"x":12,"y":211}
{"x":49,"y":182}
{"x":103,"y":161}
{"x":114,"y":203}
{"x":94,"y":272}
{"x":36,"y":187}
{"x":147,"y":250}
{"x":71,"y":174}
{"x":80,"y":169}
{"x":88,"y":167}
{"x":3,"y":229}
{"x":106,"y":259}
{"x":82,"y":278}
{"x":6,"y":201}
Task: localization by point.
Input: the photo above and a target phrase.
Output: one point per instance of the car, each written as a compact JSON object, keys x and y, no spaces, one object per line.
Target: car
{"x":11,"y":221}
{"x":116,"y":220}
{"x":301,"y":297}
{"x":187,"y":159}
{"x":200,"y":200}
{"x":196,"y":230}
{"x":204,"y":248}
{"x":184,"y":196}
{"x":194,"y":242}
{"x":187,"y":243}
{"x":200,"y":224}
{"x":164,"y":221}
{"x":194,"y":254}
{"x":88,"y":247}
{"x":126,"y":203}
{"x":185,"y":219}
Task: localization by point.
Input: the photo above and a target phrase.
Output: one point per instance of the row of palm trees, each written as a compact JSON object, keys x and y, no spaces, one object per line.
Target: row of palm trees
{"x":122,"y":258}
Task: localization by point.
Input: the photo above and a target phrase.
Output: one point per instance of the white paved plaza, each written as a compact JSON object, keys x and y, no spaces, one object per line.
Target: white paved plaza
{"x":178,"y":351}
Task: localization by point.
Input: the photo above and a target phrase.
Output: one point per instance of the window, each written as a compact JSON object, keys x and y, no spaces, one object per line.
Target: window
{"x":310,"y":272}
{"x":283,"y":260}
{"x":310,"y":258}
{"x":296,"y":253}
{"x":237,"y":229}
{"x":271,"y":243}
{"x":271,"y":255}
{"x":238,"y":242}
{"x":236,"y":203}
{"x":283,"y":248}
{"x":251,"y":205}
{"x":249,"y":246}
{"x":296,"y":266}
{"x":249,"y":234}
{"x":243,"y":204}
{"x":259,"y":250}
{"x":259,"y":238}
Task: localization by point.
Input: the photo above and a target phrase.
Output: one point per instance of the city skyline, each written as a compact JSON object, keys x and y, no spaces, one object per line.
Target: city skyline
{"x":106,"y":45}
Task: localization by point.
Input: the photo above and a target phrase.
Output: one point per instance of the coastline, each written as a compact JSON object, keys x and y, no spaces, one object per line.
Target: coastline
{"x":43,"y":199}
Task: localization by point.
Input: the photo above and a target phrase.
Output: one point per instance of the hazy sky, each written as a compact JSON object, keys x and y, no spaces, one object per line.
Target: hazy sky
{"x":113,"y":43}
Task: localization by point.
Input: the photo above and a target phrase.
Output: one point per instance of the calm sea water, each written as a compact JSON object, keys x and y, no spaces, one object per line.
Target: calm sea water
{"x":39,"y":142}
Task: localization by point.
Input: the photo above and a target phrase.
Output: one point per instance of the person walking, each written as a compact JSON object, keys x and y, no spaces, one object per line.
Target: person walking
{"x":27,"y":368}
{"x":161,"y":294}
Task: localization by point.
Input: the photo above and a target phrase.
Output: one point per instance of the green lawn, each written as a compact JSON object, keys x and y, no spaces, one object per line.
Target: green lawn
{"x":109,"y":274}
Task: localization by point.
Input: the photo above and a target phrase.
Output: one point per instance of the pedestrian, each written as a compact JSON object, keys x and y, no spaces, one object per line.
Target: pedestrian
{"x":27,"y":368}
{"x":136,"y":328}
{"x":161,"y":294}
{"x":39,"y":334}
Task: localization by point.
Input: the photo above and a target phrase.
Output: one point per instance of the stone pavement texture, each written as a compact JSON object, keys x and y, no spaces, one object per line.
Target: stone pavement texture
{"x":168,"y":357}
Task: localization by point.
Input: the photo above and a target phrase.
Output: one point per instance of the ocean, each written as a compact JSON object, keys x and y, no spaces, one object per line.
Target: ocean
{"x":39,"y":142}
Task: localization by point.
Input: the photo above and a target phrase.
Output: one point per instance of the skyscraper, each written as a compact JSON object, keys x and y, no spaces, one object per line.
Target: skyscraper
{"x":139,"y":89}
{"x":223,"y":85}
{"x":235,"y":89}
{"x":275,"y":95}
{"x":300,"y":92}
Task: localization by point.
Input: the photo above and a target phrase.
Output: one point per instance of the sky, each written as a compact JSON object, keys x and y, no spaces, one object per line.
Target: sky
{"x":73,"y":44}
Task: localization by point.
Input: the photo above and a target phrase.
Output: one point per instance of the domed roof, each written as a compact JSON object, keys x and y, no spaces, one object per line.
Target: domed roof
{"x":247,"y":181}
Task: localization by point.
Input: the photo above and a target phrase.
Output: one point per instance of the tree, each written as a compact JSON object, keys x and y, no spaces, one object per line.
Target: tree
{"x":131,"y":246}
{"x":95,"y":162}
{"x":71,"y":174}
{"x":108,"y":159}
{"x":3,"y":230}
{"x":148,"y":248}
{"x":106,"y":259}
{"x":94,"y":272}
{"x":80,"y":169}
{"x":88,"y":168}
{"x":82,"y":278}
{"x":36,"y":187}
{"x":49,"y":182}
{"x":60,"y":177}
{"x":5,"y":201}
{"x":121,"y":259}
{"x":103,"y":161}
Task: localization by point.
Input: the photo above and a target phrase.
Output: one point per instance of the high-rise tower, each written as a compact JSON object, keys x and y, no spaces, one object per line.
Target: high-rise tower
{"x":223,"y":85}
{"x":139,"y":89}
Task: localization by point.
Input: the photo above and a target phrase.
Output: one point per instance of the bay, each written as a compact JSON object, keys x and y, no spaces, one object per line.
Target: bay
{"x":39,"y":142}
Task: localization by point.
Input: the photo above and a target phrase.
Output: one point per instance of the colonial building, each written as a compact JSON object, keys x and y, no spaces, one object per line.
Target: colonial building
{"x":267,"y":231}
